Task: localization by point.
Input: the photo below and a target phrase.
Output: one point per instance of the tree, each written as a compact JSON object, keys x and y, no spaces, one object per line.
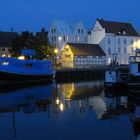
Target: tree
{"x":38,"y":42}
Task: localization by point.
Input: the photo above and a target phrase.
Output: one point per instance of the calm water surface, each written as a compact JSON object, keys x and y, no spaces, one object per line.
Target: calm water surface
{"x":66,"y":111}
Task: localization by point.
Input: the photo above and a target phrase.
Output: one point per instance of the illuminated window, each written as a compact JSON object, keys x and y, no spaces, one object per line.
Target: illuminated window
{"x":78,"y":39}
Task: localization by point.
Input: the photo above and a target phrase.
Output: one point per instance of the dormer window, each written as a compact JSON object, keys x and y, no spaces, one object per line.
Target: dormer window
{"x":124,"y":32}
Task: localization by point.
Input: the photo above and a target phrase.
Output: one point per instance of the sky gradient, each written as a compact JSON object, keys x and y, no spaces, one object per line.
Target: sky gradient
{"x":32,"y":15}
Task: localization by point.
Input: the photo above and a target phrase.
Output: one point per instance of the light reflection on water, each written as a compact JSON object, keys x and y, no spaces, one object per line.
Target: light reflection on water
{"x":66,"y":111}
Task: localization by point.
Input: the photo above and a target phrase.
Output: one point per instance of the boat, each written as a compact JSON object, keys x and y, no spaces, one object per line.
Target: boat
{"x":114,"y":79}
{"x":13,"y":70}
{"x":133,"y":83}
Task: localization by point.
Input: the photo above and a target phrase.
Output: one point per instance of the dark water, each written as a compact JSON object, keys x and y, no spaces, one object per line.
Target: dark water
{"x":68,"y":111}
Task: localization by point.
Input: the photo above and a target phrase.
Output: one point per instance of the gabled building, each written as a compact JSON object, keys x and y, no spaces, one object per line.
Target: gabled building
{"x":61,"y":33}
{"x":82,"y":55}
{"x":115,"y":38}
{"x":6,"y":39}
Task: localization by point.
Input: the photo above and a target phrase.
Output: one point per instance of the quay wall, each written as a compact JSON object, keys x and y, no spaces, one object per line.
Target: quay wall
{"x":70,"y":74}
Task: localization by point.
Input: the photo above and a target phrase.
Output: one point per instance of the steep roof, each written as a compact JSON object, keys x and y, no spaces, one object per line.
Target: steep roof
{"x":62,"y":27}
{"x":86,"y":49}
{"x":118,"y":28}
{"x":6,"y":38}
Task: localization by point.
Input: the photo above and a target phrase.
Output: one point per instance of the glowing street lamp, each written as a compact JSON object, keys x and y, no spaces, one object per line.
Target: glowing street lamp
{"x":55,"y":55}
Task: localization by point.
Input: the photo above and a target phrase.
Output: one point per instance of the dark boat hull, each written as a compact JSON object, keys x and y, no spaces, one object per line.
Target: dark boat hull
{"x":13,"y":78}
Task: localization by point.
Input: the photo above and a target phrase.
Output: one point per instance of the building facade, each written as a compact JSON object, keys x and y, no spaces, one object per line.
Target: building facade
{"x":82,"y":55}
{"x":115,"y":38}
{"x":61,"y":33}
{"x":6,"y":39}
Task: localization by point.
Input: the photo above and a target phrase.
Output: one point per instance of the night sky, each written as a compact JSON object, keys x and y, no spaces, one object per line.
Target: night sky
{"x":32,"y":15}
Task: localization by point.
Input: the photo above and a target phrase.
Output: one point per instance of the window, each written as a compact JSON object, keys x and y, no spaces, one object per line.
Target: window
{"x":78,"y":39}
{"x":82,"y":31}
{"x":52,"y":30}
{"x":86,"y":39}
{"x":109,"y":50}
{"x":64,"y":39}
{"x":3,"y":49}
{"x":125,"y":50}
{"x":119,"y":50}
{"x":119,"y":41}
{"x":109,"y":41}
{"x":79,"y":31}
{"x":54,"y":38}
{"x":124,"y":41}
{"x":132,"y":41}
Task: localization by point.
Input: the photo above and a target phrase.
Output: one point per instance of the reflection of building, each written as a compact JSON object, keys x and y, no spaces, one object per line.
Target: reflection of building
{"x":61,"y":33}
{"x":82,"y":55}
{"x":114,"y":38}
{"x":116,"y":106}
{"x":77,"y":98}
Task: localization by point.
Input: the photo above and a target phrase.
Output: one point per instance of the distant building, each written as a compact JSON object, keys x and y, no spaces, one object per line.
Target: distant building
{"x":61,"y":33}
{"x":82,"y":55}
{"x":6,"y":39}
{"x":115,"y":38}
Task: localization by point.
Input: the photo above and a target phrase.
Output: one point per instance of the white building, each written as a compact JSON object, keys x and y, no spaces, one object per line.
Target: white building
{"x":61,"y":33}
{"x":115,"y":38}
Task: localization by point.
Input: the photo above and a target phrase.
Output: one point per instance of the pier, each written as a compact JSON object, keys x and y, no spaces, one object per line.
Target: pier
{"x":84,"y":72}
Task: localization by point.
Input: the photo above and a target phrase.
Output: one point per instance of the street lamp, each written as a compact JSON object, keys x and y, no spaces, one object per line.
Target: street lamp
{"x":55,"y":56}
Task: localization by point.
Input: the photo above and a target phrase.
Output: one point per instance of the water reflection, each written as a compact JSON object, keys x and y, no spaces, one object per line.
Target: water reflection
{"x":83,"y":106}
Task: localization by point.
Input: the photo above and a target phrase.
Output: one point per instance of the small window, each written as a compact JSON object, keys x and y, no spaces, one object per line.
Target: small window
{"x":132,"y":41}
{"x":52,"y":30}
{"x":64,"y":39}
{"x":3,"y":49}
{"x":109,"y":50}
{"x":82,"y":31}
{"x":124,"y":41}
{"x":109,"y":41}
{"x":119,"y":41}
{"x":79,"y":31}
{"x":125,"y":50}
{"x":119,"y":50}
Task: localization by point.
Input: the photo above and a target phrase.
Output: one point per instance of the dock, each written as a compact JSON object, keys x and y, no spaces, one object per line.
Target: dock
{"x":86,"y":73}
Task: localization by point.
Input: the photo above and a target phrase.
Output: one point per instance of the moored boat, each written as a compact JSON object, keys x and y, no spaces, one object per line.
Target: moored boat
{"x":13,"y":70}
{"x":133,"y":83}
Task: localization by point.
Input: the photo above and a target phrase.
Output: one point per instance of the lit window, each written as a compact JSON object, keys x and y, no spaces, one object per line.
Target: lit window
{"x":78,"y":39}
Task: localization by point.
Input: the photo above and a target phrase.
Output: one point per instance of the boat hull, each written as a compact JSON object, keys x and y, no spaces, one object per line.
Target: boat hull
{"x":13,"y":78}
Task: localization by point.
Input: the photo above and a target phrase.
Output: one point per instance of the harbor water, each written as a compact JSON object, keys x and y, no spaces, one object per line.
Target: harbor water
{"x":79,"y":110}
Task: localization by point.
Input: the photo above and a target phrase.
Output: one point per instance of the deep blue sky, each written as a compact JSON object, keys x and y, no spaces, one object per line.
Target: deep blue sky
{"x":34,"y":14}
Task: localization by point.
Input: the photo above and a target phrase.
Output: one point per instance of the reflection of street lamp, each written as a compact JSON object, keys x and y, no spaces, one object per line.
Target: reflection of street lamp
{"x":55,"y":55}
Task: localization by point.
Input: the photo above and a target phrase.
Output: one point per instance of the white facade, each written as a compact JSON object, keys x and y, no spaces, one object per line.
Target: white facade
{"x":120,"y":45}
{"x":61,"y":33}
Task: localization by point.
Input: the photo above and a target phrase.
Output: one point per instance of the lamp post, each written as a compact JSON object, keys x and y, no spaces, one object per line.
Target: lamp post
{"x":55,"y":56}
